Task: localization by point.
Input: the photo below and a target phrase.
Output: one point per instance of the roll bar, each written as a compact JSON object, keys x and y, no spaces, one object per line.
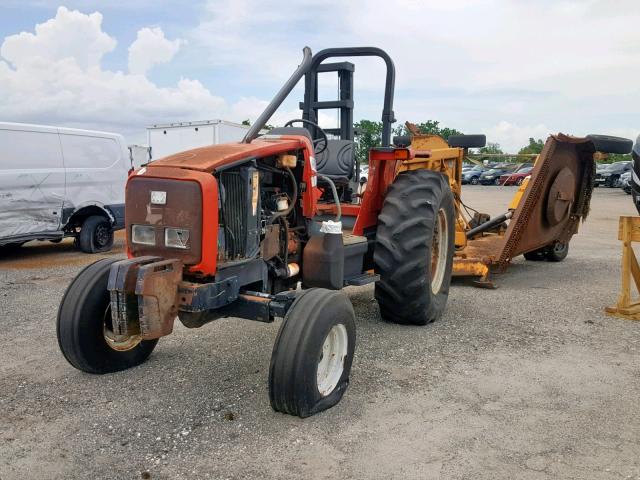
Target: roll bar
{"x":310,"y":64}
{"x":388,"y":116}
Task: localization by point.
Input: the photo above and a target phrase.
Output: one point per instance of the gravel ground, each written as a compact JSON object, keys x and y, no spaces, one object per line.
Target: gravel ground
{"x":527,"y":381}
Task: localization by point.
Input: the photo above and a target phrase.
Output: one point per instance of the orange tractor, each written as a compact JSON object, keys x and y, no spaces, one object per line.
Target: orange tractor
{"x":233,"y":230}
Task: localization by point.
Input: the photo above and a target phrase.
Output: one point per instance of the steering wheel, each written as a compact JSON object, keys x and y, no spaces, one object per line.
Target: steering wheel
{"x":323,"y":140}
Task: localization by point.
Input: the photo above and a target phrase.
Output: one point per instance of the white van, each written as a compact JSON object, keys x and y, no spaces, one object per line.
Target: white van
{"x":61,"y":182}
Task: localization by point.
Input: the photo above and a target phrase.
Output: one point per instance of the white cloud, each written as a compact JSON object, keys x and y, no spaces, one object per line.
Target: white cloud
{"x":510,"y":68}
{"x":55,"y":76}
{"x":57,"y":40}
{"x":151,"y":48}
{"x":569,"y":64}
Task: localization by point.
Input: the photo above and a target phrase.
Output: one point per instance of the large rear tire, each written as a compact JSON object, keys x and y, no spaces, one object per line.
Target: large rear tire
{"x":609,"y":144}
{"x":84,"y":322}
{"x":414,"y":248}
{"x":312,"y":354}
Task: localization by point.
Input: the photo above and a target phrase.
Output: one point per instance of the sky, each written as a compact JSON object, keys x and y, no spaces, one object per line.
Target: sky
{"x":511,"y":69}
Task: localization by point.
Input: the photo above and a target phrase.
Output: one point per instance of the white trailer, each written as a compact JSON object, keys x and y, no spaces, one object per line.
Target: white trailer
{"x":167,"y":139}
{"x":140,"y":155}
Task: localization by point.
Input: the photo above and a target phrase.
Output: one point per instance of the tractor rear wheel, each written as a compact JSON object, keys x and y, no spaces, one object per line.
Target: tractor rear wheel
{"x":414,"y":248}
{"x":312,"y":354}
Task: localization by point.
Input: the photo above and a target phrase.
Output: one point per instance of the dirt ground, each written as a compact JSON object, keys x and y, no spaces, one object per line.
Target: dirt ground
{"x":528,"y":381}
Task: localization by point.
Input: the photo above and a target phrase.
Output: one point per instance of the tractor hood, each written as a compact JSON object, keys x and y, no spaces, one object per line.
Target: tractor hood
{"x":208,"y":159}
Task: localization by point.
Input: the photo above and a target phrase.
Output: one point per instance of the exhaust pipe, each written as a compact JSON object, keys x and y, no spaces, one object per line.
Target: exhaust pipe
{"x":280,"y":96}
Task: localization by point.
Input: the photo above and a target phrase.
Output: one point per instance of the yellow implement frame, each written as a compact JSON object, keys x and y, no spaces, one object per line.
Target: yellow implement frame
{"x":628,"y":232}
{"x":472,"y":258}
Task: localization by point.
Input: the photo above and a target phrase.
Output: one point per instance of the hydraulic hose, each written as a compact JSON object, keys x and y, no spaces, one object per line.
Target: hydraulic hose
{"x":335,"y":195}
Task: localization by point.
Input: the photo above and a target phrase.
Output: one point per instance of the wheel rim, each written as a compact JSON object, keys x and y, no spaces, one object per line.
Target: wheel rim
{"x":101,"y":235}
{"x":559,"y":247}
{"x":439,"y":251}
{"x":331,"y":362}
{"x":119,"y":343}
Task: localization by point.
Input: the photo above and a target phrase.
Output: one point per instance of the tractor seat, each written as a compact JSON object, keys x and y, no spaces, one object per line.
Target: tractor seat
{"x":337,"y":161}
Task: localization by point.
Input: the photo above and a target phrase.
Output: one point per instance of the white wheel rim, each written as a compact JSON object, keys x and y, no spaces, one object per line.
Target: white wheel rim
{"x":119,"y":343}
{"x":439,"y":251}
{"x":331,"y":361}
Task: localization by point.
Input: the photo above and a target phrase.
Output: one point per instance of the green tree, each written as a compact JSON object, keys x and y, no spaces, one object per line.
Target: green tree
{"x":618,"y":157}
{"x":369,"y":136}
{"x":535,"y":146}
{"x":246,"y":122}
{"x":430,"y":127}
{"x":492,"y":148}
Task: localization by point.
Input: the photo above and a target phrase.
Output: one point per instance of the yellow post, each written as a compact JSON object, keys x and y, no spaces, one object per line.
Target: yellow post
{"x":628,"y":232}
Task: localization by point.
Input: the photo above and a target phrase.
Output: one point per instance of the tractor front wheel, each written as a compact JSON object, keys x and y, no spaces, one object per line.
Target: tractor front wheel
{"x":312,"y":354}
{"x":84,"y":329}
{"x":414,"y":248}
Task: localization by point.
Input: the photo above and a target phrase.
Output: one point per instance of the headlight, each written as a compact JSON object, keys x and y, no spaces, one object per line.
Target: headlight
{"x":176,"y":237}
{"x":143,"y":234}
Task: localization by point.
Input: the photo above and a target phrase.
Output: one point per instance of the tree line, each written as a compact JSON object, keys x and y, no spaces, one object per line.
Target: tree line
{"x":369,"y":135}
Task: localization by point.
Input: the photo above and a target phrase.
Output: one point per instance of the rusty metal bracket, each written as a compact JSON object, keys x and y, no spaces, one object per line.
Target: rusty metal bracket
{"x":157,"y":291}
{"x":198,"y":297}
{"x":124,"y":303}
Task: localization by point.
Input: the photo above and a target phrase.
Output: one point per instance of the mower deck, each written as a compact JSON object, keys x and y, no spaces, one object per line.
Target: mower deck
{"x":546,"y":209}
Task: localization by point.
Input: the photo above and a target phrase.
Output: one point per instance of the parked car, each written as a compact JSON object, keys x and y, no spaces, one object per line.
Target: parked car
{"x":607,"y":175}
{"x":515,"y":178}
{"x":635,"y":175}
{"x":492,"y":176}
{"x":61,"y":182}
{"x":472,"y":175}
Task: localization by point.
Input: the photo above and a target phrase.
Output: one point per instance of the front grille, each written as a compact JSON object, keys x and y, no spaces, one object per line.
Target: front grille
{"x":234,"y":214}
{"x":183,"y":209}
